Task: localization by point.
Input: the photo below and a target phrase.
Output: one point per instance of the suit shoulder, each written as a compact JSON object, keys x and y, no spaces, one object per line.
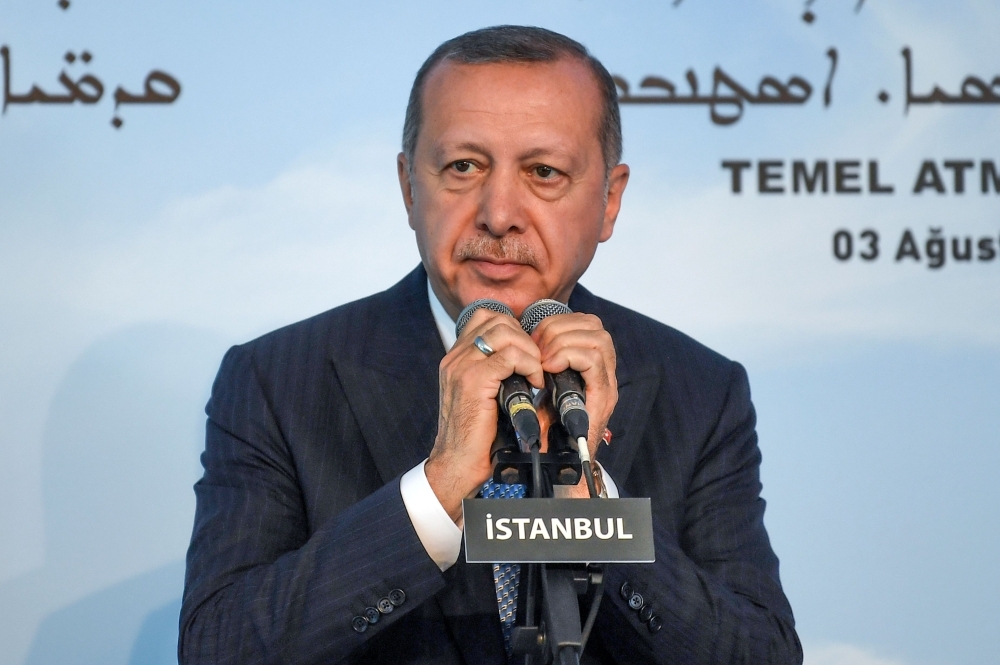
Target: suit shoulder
{"x":651,"y":339}
{"x":348,"y":325}
{"x":303,"y":348}
{"x":697,"y":385}
{"x":325,"y":325}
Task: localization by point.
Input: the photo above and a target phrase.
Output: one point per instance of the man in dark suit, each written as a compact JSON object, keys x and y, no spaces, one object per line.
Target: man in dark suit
{"x":339,"y":449}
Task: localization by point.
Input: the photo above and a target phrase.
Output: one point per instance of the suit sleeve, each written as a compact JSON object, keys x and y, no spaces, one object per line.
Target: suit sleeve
{"x":261,"y":587}
{"x":714,"y":590}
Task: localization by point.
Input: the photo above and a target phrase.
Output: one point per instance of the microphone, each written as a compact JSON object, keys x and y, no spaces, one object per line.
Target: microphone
{"x":515,"y":391}
{"x":567,"y":387}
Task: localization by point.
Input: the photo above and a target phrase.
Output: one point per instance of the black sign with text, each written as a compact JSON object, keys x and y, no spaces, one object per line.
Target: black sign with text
{"x":558,"y":531}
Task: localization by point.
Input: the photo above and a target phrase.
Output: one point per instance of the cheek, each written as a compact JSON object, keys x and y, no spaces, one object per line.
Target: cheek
{"x":574,"y":236}
{"x":443,"y":220}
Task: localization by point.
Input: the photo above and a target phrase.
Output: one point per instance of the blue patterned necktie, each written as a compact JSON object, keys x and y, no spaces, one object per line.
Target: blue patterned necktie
{"x":505,"y":575}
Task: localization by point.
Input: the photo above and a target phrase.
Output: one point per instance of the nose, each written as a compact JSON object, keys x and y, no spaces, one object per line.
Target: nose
{"x":501,"y":206}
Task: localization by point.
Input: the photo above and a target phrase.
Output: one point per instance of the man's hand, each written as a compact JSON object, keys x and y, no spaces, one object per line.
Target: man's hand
{"x":459,"y":463}
{"x":580,"y":342}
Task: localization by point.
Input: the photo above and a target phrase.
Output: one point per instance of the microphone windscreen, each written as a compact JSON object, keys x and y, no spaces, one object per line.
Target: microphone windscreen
{"x":540,"y":309}
{"x":482,"y":303}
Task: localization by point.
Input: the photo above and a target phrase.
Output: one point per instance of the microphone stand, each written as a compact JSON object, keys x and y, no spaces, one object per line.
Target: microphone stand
{"x":548,"y":625}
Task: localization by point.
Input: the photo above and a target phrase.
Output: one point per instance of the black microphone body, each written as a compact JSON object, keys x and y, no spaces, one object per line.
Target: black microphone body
{"x":569,"y":394}
{"x":515,"y":392}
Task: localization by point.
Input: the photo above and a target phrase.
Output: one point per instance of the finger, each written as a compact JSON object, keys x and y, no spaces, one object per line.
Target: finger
{"x":573,"y":329}
{"x":558,"y":323}
{"x":513,"y":359}
{"x":590,"y":363}
{"x":481,"y":321}
{"x":600,"y":380}
{"x":500,"y":333}
{"x":480,"y":318}
{"x":554,"y":353}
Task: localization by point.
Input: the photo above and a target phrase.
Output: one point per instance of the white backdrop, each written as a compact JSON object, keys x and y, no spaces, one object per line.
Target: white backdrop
{"x":131,"y":258}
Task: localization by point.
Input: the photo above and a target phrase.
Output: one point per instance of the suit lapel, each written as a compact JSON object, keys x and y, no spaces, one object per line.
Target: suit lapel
{"x":388,"y":368}
{"x":628,"y":423}
{"x":638,"y":382}
{"x":392,"y":387}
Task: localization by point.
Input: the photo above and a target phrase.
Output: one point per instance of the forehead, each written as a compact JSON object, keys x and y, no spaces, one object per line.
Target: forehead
{"x":558,"y":101}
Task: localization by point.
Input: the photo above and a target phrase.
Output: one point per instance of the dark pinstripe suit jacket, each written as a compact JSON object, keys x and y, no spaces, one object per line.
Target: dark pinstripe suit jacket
{"x":300,"y":525}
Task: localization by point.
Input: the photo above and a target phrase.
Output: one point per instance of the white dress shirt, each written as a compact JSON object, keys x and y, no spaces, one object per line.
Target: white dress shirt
{"x":439,"y":535}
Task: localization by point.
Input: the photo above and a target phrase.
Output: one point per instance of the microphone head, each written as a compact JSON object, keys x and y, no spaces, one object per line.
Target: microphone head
{"x":482,"y":303}
{"x":540,"y":309}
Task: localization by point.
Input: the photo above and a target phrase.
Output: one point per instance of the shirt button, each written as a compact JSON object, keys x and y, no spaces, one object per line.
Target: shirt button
{"x":626,"y":591}
{"x":397,"y":597}
{"x":635,"y":601}
{"x":645,"y":613}
{"x":372,"y":615}
{"x":385,"y":606}
{"x":655,"y":623}
{"x":359,"y":624}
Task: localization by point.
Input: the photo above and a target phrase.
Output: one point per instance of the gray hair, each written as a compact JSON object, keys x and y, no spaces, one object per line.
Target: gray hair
{"x":524,"y":44}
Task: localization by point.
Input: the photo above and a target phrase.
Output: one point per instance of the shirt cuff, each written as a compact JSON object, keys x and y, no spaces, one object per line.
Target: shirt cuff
{"x":439,"y":535}
{"x":609,"y":483}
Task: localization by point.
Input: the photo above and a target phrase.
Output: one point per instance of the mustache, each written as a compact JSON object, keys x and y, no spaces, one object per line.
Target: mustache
{"x":506,"y":248}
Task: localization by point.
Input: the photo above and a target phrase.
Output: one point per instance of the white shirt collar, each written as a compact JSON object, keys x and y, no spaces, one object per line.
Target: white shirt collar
{"x":445,"y":326}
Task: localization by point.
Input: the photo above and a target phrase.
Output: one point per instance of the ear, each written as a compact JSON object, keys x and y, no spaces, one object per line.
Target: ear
{"x":405,"y":186}
{"x":617,"y":180}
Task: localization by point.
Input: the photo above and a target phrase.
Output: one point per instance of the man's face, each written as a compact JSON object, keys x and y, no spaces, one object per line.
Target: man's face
{"x":507,"y":191}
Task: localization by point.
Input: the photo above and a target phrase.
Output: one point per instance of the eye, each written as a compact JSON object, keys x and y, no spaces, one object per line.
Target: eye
{"x":545,"y":172}
{"x":463,"y":166}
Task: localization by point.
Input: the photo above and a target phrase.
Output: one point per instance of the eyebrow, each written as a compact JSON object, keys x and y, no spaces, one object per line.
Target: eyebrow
{"x":468,"y":146}
{"x":539,"y":152}
{"x":478,"y":148}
